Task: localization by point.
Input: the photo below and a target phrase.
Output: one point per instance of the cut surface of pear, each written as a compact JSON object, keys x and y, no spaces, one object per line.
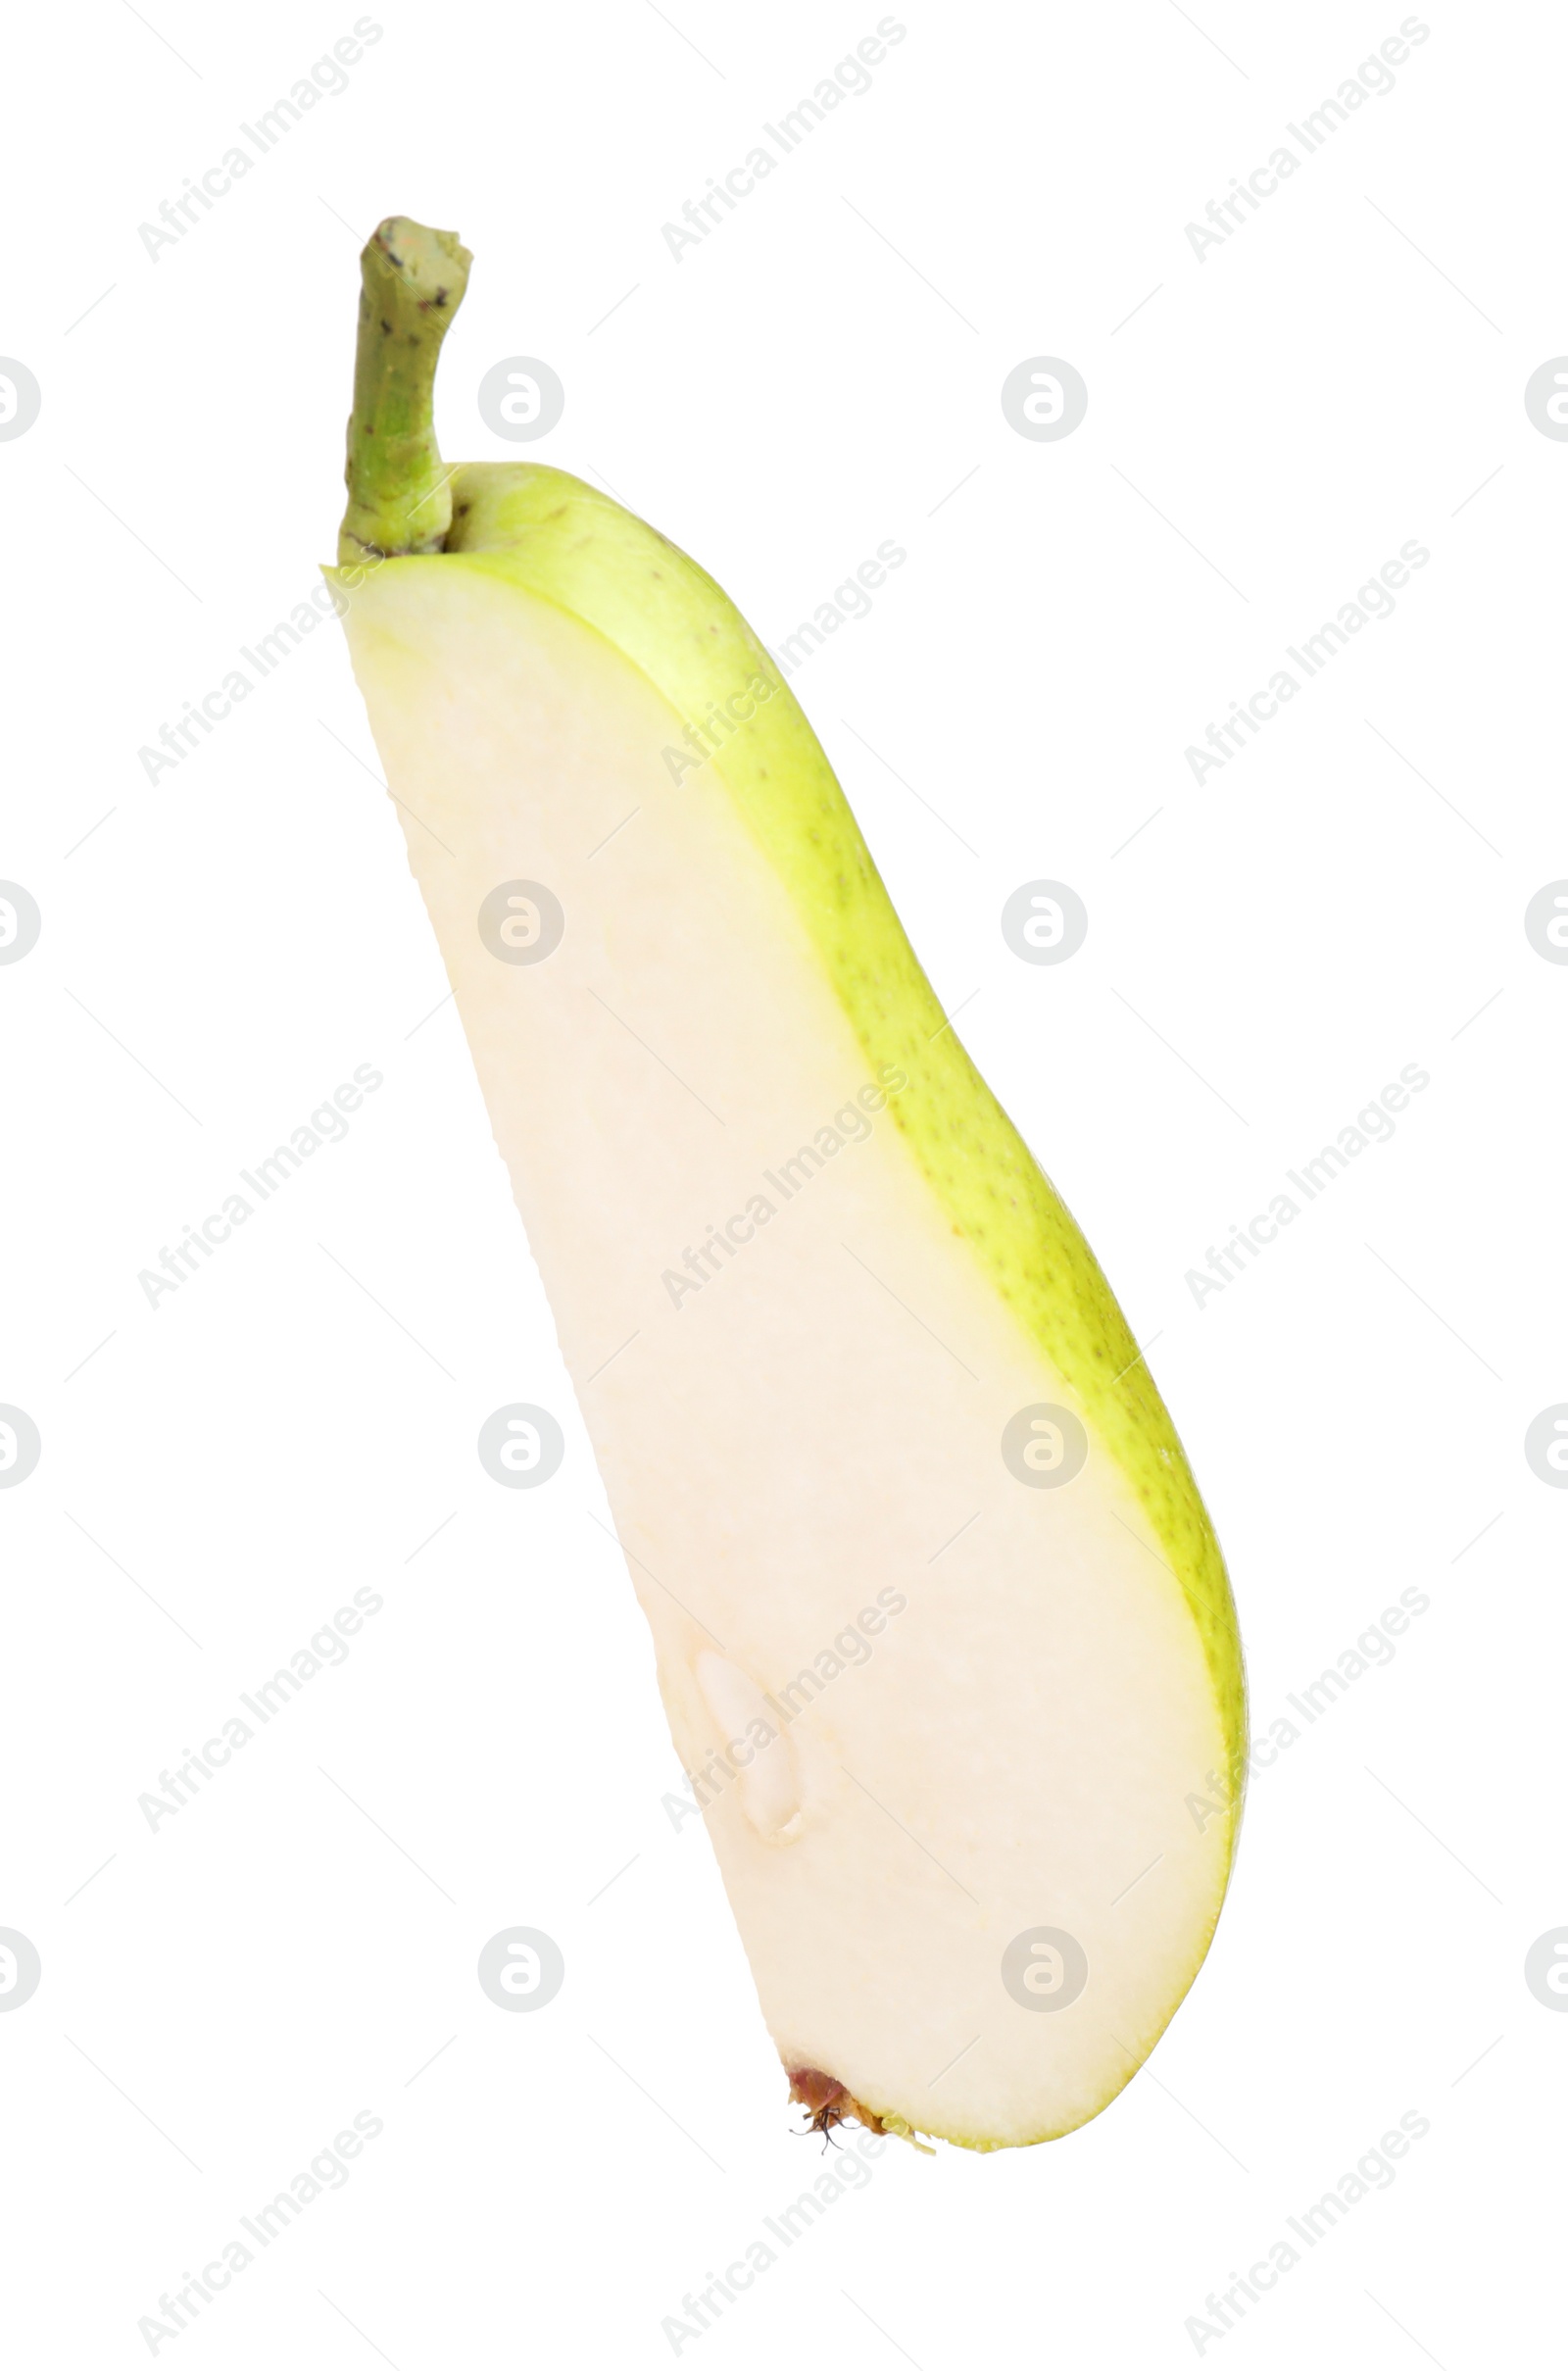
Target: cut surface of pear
{"x":940,"y":1626}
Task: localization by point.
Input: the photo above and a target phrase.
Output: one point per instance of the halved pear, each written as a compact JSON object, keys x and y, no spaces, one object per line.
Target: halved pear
{"x":942,"y":1627}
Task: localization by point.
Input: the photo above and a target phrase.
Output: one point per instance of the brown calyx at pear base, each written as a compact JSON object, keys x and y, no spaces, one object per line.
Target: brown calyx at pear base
{"x":828,"y":2101}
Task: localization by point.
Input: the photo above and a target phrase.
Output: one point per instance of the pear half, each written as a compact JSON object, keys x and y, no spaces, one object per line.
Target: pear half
{"x":942,"y":1628}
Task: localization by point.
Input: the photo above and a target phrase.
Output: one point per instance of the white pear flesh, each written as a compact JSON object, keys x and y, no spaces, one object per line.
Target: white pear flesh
{"x":815,"y":1428}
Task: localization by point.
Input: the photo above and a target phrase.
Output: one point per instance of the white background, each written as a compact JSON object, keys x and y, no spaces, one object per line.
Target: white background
{"x":1267,"y":428}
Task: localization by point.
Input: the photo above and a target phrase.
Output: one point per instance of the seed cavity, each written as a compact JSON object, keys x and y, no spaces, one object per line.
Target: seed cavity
{"x":752,"y":1747}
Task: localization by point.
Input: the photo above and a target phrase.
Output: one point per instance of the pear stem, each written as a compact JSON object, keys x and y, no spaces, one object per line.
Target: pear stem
{"x":399,"y":499}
